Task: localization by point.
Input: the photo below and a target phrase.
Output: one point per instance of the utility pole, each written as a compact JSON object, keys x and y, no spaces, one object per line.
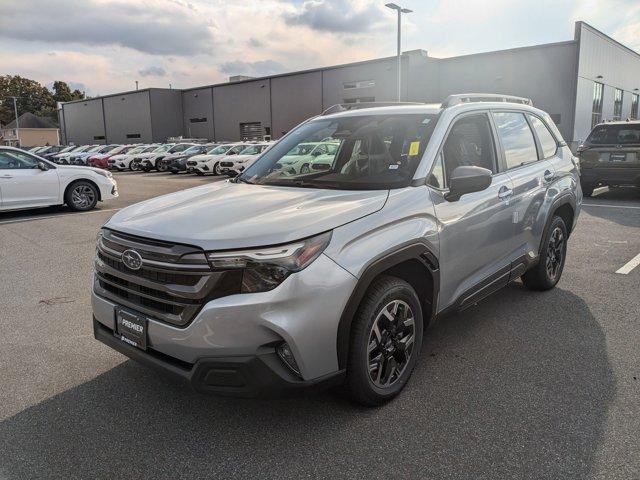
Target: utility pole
{"x":15,"y":110}
{"x":400,"y":11}
{"x":136,"y":84}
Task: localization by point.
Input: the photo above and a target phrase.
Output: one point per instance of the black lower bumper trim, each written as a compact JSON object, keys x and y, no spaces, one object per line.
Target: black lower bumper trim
{"x":261,"y":375}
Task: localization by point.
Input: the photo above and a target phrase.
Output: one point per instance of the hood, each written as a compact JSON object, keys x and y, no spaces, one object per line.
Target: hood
{"x":201,"y":158}
{"x":79,"y":168}
{"x":242,"y":158}
{"x":226,"y":215}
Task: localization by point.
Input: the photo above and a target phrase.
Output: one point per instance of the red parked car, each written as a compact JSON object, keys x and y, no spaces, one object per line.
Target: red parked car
{"x":101,"y":160}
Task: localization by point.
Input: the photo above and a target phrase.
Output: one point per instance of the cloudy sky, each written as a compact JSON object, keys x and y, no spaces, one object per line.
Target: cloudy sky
{"x":103,"y":46}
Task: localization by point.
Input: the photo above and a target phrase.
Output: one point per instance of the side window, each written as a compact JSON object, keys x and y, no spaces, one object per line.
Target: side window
{"x":10,"y":160}
{"x":547,"y":141}
{"x":517,"y":139}
{"x":469,"y":143}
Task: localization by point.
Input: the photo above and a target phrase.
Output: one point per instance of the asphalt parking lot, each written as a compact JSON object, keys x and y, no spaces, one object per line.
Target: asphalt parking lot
{"x":523,"y":385}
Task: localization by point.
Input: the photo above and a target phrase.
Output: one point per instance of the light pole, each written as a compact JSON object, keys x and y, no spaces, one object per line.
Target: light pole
{"x":136,"y":84}
{"x":400,"y":11}
{"x":15,"y":111}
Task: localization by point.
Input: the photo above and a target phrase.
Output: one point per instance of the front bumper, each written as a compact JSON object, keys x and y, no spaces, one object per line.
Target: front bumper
{"x":260,"y":375}
{"x":246,"y":328}
{"x":108,"y":189}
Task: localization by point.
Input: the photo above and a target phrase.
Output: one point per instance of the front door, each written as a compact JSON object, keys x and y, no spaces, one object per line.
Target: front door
{"x":23,"y":184}
{"x":476,"y":232}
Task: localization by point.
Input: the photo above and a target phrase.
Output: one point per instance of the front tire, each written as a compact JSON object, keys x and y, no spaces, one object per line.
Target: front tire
{"x":546,"y":274}
{"x":386,"y":337}
{"x":81,"y":196}
{"x":217,"y":169}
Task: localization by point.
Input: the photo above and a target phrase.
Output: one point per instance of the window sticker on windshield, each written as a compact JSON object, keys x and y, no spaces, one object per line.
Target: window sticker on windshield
{"x":414,"y":148}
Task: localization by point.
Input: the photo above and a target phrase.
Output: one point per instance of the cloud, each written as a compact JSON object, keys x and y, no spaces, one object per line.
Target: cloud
{"x":253,"y":69}
{"x":154,"y":26}
{"x":255,"y":43}
{"x":338,"y":16}
{"x":153,"y":72}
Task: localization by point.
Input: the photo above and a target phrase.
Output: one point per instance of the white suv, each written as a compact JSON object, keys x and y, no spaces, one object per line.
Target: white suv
{"x":210,"y":162}
{"x":235,"y":164}
{"x":28,"y":181}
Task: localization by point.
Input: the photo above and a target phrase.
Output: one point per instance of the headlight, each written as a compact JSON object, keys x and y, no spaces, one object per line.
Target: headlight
{"x":266,"y":268}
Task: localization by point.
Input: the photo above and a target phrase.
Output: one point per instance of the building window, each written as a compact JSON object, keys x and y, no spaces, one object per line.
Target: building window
{"x":596,"y":112}
{"x":133,"y":135}
{"x":251,"y":131}
{"x":198,"y":120}
{"x":359,"y":84}
{"x":359,"y":99}
{"x":617,"y":104}
{"x":98,"y":137}
{"x":634,"y":106}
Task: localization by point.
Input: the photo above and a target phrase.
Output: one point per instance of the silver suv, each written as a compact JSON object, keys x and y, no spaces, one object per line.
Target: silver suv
{"x":280,"y":280}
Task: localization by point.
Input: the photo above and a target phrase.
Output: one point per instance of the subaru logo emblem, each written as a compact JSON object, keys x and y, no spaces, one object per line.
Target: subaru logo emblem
{"x":132,"y":259}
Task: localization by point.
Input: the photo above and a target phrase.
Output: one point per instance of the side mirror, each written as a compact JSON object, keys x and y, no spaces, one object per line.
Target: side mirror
{"x":467,"y":179}
{"x":43,"y":166}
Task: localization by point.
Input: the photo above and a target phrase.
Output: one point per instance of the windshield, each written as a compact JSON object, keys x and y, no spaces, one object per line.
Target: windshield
{"x":67,"y":149}
{"x":179,"y":148}
{"x":162,"y":148}
{"x":615,"y":134}
{"x":219,"y":150}
{"x":135,"y":150}
{"x":253,"y":150}
{"x":351,"y":153}
{"x":194,"y":149}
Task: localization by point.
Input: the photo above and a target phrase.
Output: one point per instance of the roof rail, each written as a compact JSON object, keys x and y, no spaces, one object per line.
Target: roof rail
{"x":452,"y":100}
{"x":343,"y":107}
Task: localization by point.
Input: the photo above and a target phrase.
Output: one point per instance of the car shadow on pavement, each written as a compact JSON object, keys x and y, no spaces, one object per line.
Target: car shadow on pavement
{"x":623,"y":196}
{"x":515,"y":387}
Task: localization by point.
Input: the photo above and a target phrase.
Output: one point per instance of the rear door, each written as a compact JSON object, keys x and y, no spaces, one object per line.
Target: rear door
{"x":532,"y":175}
{"x":476,"y":232}
{"x":23,"y":184}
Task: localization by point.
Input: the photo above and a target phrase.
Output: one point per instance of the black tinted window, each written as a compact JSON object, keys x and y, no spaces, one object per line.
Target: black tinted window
{"x":547,"y":142}
{"x":517,"y":139}
{"x":615,"y":134}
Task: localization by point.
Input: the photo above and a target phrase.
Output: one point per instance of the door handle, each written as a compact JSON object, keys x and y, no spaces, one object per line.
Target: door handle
{"x":6,"y":176}
{"x":549,"y":176}
{"x":504,"y":193}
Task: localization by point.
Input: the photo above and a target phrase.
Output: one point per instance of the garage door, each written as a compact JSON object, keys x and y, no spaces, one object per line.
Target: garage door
{"x":251,"y":131}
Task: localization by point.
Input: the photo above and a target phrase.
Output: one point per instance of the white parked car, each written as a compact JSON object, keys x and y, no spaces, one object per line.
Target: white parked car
{"x":210,"y":162}
{"x":63,"y":158}
{"x":28,"y":181}
{"x":236,"y":164}
{"x":123,"y":161}
{"x":139,"y":160}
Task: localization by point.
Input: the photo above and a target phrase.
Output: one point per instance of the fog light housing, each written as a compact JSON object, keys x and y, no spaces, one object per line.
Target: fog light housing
{"x":286,"y":355}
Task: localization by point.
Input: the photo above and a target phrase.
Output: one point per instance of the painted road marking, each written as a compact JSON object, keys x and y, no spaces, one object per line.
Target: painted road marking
{"x":610,"y":206}
{"x":630,"y":265}
{"x":33,"y":219}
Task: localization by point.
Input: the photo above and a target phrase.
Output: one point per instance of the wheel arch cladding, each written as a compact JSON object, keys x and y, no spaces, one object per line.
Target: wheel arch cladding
{"x":78,"y":180}
{"x":565,"y":208}
{"x":416,"y":265}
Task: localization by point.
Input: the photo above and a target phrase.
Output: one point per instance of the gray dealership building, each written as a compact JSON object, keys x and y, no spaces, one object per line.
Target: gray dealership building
{"x":579,"y":82}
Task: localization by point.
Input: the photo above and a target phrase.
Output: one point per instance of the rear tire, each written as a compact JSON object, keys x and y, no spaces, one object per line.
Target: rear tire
{"x":386,"y":337}
{"x":546,"y":274}
{"x":81,"y":196}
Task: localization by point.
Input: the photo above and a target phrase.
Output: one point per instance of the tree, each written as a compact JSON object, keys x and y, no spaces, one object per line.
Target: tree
{"x":62,"y":92}
{"x":32,"y":97}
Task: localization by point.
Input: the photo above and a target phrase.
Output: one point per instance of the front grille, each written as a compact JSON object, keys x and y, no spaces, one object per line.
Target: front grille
{"x":192,"y":163}
{"x":320,"y":166}
{"x":172,"y":285}
{"x":226,"y":164}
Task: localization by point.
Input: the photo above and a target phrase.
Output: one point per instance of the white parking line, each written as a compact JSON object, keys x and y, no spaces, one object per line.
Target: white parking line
{"x":610,"y":206}
{"x":33,"y":219}
{"x":630,"y":265}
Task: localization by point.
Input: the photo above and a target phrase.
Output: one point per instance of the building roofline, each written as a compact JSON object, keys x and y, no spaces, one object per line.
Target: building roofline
{"x":509,"y":50}
{"x":298,"y":72}
{"x":128,"y":92}
{"x":580,"y":23}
